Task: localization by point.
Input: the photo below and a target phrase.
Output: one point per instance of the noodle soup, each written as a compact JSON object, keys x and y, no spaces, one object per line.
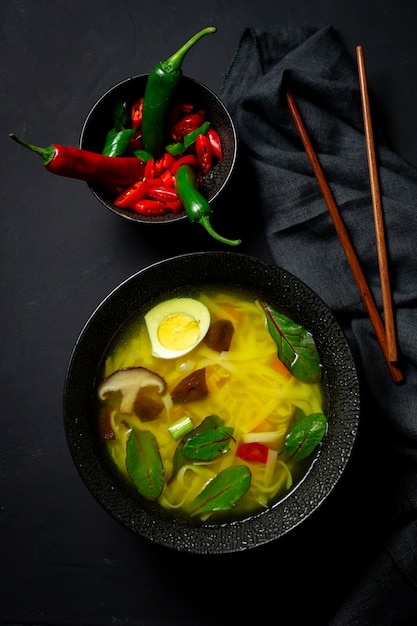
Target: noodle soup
{"x":242,"y":409}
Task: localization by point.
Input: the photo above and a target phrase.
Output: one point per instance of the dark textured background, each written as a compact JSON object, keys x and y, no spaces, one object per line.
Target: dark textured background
{"x":63,"y":559}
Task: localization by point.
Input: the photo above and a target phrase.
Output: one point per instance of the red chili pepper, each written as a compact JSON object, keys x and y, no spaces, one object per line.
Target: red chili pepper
{"x":132,"y":194}
{"x":188,"y":159}
{"x":204,"y":153}
{"x":164,"y":163}
{"x":187,"y":107}
{"x":175,"y":206}
{"x":135,"y":142}
{"x":150,"y":207}
{"x":167,"y":161}
{"x":136,"y":113}
{"x":155,"y":182}
{"x":187,"y":124}
{"x":88,"y":166}
{"x":178,"y":110}
{"x":168,"y":179}
{"x":254,"y":451}
{"x":150,"y":171}
{"x":163,"y":194}
{"x":215,"y":143}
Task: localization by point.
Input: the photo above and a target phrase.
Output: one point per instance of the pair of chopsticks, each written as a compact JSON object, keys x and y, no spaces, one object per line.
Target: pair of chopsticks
{"x":385,"y":333}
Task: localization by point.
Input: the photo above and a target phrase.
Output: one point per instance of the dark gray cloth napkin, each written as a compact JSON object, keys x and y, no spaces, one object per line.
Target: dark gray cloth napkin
{"x":283,"y":193}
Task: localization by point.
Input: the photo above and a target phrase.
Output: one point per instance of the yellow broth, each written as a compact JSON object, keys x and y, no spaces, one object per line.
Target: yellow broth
{"x":248,"y":388}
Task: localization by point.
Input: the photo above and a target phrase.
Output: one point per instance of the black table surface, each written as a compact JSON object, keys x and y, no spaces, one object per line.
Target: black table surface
{"x":63,"y":559}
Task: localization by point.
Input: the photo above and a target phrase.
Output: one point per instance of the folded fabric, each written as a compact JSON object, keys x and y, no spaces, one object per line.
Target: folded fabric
{"x":285,"y":196}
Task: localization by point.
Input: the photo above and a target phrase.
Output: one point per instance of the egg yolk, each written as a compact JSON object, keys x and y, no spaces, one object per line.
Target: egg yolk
{"x":178,"y":331}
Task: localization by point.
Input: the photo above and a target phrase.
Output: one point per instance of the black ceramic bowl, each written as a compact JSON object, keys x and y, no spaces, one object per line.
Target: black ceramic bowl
{"x":281,"y":290}
{"x":99,"y":122}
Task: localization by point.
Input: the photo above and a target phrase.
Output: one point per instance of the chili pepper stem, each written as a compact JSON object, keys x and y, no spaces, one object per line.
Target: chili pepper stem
{"x":205,"y":222}
{"x":47,"y":154}
{"x":174,"y":62}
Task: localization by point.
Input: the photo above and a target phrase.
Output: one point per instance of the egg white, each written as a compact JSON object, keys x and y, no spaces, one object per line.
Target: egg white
{"x":188,"y":306}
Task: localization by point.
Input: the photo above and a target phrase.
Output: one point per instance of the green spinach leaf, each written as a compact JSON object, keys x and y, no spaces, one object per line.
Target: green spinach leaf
{"x":210,"y":422}
{"x":295,"y":346}
{"x":144,"y":463}
{"x":208,"y":445}
{"x":223,"y":491}
{"x":305,"y":436}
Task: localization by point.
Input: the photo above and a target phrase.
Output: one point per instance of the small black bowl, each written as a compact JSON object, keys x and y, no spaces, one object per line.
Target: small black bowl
{"x":99,"y":122}
{"x":281,"y":290}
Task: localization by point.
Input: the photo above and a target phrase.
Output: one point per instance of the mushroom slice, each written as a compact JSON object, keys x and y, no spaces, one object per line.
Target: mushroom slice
{"x":105,"y":427}
{"x":129,"y":381}
{"x":220,"y":335}
{"x":191,"y":388}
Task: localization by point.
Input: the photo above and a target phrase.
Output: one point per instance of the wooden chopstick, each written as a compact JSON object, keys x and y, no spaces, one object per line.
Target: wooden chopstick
{"x":344,"y":238}
{"x":378,"y":215}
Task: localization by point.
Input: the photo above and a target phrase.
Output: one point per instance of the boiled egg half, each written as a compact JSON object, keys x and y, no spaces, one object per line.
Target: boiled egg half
{"x":177,"y":326}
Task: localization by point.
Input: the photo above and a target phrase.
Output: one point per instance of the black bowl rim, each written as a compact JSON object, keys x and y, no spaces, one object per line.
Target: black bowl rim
{"x":168,"y":218}
{"x":300,"y":502}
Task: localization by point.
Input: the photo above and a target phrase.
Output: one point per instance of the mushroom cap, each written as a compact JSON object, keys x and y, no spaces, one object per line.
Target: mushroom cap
{"x":129,"y":381}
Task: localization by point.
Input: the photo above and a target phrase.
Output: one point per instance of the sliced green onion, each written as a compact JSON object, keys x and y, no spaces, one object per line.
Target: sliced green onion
{"x":179,"y":147}
{"x":174,"y":149}
{"x":192,"y":136}
{"x":142,"y":155}
{"x":181,"y":427}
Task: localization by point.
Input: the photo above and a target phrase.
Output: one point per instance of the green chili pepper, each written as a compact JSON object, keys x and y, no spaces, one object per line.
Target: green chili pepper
{"x":121,"y":116}
{"x":175,"y":148}
{"x":142,"y":155}
{"x":161,"y":88}
{"x":196,"y":206}
{"x":179,"y":147}
{"x":118,"y":138}
{"x":190,"y":138}
{"x":117,"y":142}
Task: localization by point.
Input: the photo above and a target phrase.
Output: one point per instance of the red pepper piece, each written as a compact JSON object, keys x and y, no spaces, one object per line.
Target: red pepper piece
{"x":137,"y":113}
{"x":150,"y":207}
{"x":155,"y":182}
{"x":135,"y":142}
{"x":150,"y":170}
{"x":132,"y":194}
{"x":204,"y":153}
{"x":188,"y":159}
{"x":168,"y":179}
{"x":215,"y":142}
{"x":175,"y":206}
{"x":187,"y":124}
{"x":254,"y":451}
{"x":159,"y":168}
{"x":164,"y":163}
{"x":163,"y":194}
{"x":88,"y":166}
{"x":179,"y":110}
{"x":167,"y":161}
{"x":187,"y":107}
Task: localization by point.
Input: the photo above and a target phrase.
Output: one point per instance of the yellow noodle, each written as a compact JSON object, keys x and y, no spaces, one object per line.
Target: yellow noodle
{"x":217,"y":308}
{"x":244,"y":390}
{"x":190,"y":481}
